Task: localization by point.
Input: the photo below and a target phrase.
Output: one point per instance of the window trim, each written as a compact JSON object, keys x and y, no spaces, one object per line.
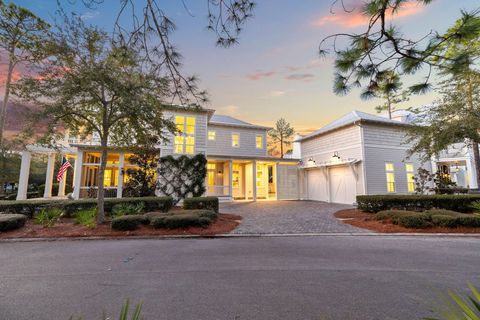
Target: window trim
{"x":185,"y":135}
{"x":261,"y":137}
{"x":386,"y":176}
{"x":412,"y":172}
{"x":238,"y":135}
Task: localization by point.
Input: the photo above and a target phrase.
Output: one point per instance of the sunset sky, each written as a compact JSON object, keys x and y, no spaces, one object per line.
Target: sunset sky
{"x":274,"y":71}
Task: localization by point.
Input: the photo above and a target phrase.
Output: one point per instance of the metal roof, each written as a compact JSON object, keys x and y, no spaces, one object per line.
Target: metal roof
{"x":352,"y":118}
{"x":231,"y":121}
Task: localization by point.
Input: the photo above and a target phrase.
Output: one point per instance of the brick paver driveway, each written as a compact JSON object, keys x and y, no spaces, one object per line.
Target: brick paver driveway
{"x":282,"y":217}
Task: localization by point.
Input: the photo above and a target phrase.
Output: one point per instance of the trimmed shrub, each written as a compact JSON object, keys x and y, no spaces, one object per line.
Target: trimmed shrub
{"x":376,"y":203}
{"x":184,"y":220}
{"x":393,"y":215}
{"x":12,"y":221}
{"x":444,"y":221}
{"x":48,"y":217}
{"x":469,"y":221}
{"x":86,"y":217}
{"x":153,"y":215}
{"x":69,"y":207}
{"x":131,"y":222}
{"x":209,"y":203}
{"x":443,"y":212}
{"x":123,"y":209}
{"x":417,"y":221}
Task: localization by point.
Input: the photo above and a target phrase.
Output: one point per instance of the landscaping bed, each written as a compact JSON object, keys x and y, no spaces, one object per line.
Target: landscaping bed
{"x":371,"y":221}
{"x":66,"y":227}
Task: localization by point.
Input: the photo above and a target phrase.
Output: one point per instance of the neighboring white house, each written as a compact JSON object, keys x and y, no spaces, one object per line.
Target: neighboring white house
{"x":357,"y":154}
{"x":239,"y":167}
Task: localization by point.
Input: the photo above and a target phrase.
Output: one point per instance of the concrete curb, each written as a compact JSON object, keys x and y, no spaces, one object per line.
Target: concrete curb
{"x":251,"y":235}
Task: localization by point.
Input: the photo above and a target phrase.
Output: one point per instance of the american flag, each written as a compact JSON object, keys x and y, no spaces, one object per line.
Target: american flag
{"x":65,"y":165}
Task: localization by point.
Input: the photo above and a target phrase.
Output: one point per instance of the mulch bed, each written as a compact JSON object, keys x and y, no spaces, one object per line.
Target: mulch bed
{"x":366,"y":220}
{"x":66,"y":228}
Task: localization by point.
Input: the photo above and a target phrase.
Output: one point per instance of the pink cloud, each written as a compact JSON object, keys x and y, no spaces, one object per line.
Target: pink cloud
{"x":260,"y":75}
{"x":300,"y":77}
{"x":356,"y":18}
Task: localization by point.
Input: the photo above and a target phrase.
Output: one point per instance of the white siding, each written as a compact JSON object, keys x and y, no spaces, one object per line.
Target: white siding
{"x":346,"y":141}
{"x":386,"y":144}
{"x":222,"y":145}
{"x":287,"y":182}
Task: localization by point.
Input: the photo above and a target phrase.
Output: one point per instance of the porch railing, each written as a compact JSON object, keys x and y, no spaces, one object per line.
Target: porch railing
{"x":218,"y":191}
{"x":92,"y":192}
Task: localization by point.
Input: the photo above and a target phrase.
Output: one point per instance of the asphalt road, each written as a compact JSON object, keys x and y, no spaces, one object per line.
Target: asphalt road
{"x":323,"y":277}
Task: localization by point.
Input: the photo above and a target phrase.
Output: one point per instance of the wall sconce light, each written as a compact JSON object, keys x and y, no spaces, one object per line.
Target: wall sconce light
{"x":336,"y":157}
{"x":311,"y":162}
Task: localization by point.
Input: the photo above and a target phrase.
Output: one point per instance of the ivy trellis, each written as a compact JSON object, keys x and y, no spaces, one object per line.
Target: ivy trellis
{"x":183,"y":176}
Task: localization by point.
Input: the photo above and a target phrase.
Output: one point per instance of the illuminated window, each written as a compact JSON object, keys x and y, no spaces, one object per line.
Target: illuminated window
{"x":259,"y":142}
{"x":212,"y":135}
{"x":211,"y":168}
{"x":390,"y":170}
{"x":235,"y":140}
{"x":410,"y":177}
{"x":184,"y":141}
{"x":260,"y":176}
{"x":235,"y":175}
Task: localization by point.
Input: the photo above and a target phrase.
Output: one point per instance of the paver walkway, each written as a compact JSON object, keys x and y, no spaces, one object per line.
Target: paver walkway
{"x":283,"y":217}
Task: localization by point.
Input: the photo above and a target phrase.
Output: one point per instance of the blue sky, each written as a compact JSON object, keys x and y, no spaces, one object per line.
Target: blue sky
{"x":274,"y":71}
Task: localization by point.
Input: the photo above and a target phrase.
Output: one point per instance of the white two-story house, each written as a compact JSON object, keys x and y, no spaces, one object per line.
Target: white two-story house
{"x":239,"y":167}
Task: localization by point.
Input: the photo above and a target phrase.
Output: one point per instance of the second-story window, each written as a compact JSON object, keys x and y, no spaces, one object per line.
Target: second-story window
{"x":390,"y":170}
{"x":410,"y":177}
{"x":259,"y":141}
{"x":212,"y":135}
{"x":185,"y":139}
{"x":235,"y":140}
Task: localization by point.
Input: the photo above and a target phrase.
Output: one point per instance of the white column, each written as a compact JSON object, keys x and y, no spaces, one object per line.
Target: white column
{"x":121,"y":165}
{"x":472,"y":174}
{"x":77,"y":175}
{"x":275,"y":178}
{"x":230,"y":178}
{"x":61,"y":185}
{"x":49,"y":176}
{"x":254,"y":179}
{"x":24,"y":172}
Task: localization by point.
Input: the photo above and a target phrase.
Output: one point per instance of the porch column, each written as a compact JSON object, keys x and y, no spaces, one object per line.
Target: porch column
{"x":63,"y":182}
{"x":230,"y":178}
{"x":254,"y":179}
{"x":24,"y":172}
{"x":121,"y":164}
{"x":77,"y":175}
{"x":276,"y":181}
{"x":49,"y":176}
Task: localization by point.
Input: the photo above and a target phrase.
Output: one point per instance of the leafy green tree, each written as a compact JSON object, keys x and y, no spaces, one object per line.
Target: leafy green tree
{"x":455,"y":118}
{"x":21,"y":38}
{"x":281,"y":135}
{"x":141,"y":181}
{"x":381,"y":47}
{"x":92,"y":87}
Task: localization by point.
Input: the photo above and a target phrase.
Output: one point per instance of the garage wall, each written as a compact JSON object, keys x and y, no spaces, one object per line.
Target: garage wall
{"x":386,"y":144}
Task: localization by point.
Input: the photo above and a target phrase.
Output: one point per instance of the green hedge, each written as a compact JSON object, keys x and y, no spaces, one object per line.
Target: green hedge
{"x":376,"y":203}
{"x":69,"y":207}
{"x":12,"y":221}
{"x":208,"y":203}
{"x":430,"y":218}
{"x":131,"y":222}
{"x":183,"y":219}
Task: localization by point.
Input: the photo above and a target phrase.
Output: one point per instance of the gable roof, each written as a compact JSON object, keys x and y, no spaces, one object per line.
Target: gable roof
{"x":352,"y":118}
{"x":233,"y":122}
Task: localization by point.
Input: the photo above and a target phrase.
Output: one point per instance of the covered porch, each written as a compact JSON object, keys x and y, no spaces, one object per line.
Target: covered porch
{"x":245,"y":179}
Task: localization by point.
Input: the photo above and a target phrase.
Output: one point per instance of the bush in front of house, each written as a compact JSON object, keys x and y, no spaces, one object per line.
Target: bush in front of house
{"x":47,"y":217}
{"x":375,"y":203}
{"x":12,"y":221}
{"x":86,"y":217}
{"x":125,"y":209}
{"x":430,"y":218}
{"x":70,"y":207}
{"x":130,"y":222}
{"x":209,"y":203}
{"x":183,"y":219}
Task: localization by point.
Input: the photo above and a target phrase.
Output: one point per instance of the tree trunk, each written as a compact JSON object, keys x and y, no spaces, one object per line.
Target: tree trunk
{"x":389,"y":104}
{"x":101,"y":188}
{"x":476,"y":160}
{"x":281,"y":147}
{"x":3,"y":121}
